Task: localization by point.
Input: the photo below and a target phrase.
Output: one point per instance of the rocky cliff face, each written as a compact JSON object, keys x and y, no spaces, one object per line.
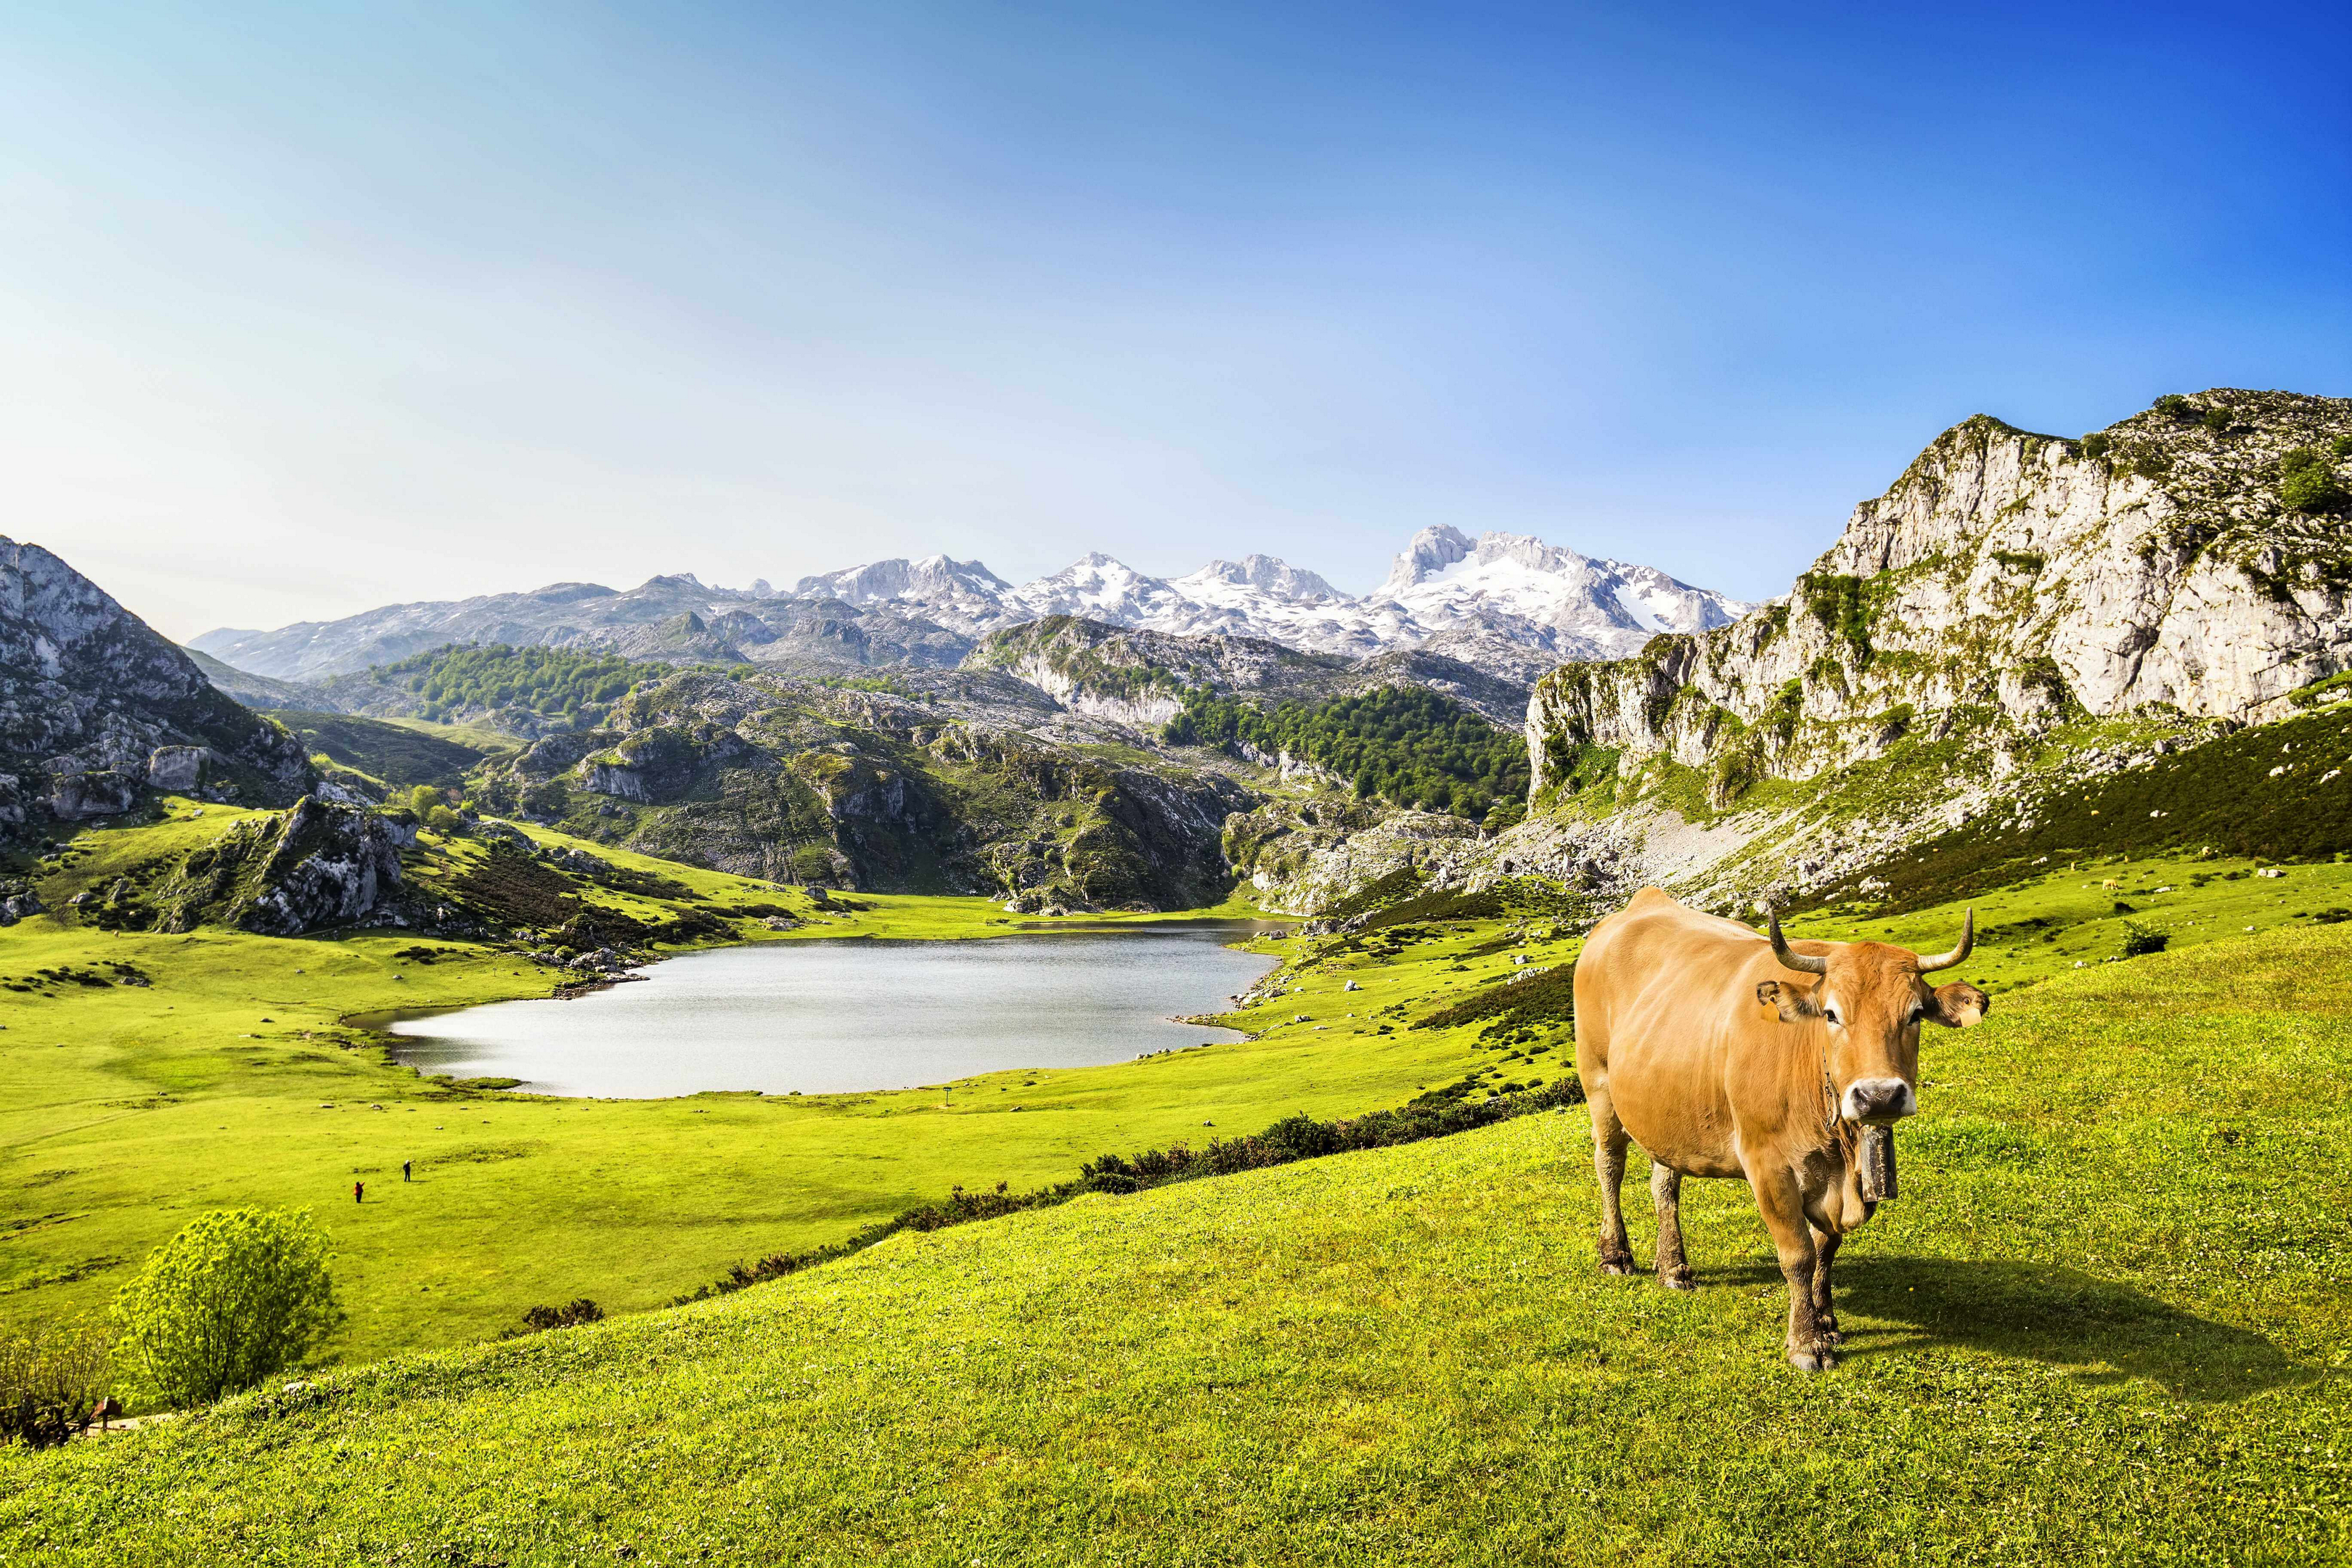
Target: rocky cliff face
{"x":95,"y":708}
{"x":2007,"y":593}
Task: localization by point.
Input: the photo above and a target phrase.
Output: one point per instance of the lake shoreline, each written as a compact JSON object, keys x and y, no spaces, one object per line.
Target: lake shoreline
{"x":902,"y":1013}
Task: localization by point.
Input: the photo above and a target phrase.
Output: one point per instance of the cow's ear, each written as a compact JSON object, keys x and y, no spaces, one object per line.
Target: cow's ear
{"x":1958,"y":1006}
{"x":1792,"y":1001}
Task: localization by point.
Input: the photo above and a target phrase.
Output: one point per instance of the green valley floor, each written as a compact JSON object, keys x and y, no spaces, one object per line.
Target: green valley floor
{"x":234,"y":1078}
{"x":2110,"y":1320}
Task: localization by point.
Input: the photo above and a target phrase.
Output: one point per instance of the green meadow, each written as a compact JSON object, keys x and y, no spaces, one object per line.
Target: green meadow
{"x":2108,"y":1321}
{"x":240,"y":1076}
{"x":237,"y":1077}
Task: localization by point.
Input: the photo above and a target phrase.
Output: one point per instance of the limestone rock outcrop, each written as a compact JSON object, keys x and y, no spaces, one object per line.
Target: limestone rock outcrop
{"x":2006,"y":586}
{"x":315,"y":867}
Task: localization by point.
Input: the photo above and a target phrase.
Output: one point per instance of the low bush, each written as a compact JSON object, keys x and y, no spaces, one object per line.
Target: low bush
{"x":52,"y":1376}
{"x":236,"y":1296}
{"x":2096,"y":443}
{"x":571,"y":1315}
{"x":2174,"y":406}
{"x":2140,"y":940}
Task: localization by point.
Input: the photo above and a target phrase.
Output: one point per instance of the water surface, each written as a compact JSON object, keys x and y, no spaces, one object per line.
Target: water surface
{"x":831,"y":1017}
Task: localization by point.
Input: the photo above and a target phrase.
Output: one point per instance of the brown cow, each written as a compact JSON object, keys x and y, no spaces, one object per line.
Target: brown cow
{"x":1725,"y":1053}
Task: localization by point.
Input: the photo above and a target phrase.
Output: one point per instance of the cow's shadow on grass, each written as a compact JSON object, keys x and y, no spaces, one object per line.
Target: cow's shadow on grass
{"x":2101,"y":1332}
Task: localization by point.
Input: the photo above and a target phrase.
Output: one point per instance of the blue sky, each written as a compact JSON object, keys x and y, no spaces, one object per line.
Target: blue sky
{"x":316,"y":307}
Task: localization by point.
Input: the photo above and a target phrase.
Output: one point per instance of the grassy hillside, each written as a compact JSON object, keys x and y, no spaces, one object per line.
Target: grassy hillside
{"x":2105,"y":1322}
{"x":235,"y":1077}
{"x":134,"y":1108}
{"x":394,"y":756}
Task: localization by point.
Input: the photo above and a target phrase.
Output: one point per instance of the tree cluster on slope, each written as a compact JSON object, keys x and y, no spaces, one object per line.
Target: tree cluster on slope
{"x":555,"y":683}
{"x":1405,"y":744}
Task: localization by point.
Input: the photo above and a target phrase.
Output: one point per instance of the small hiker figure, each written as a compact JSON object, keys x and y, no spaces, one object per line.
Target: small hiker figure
{"x":359,"y":1192}
{"x":403,"y":1169}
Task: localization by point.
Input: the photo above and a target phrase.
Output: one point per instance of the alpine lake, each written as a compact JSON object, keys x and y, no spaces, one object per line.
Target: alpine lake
{"x":855,"y":1015}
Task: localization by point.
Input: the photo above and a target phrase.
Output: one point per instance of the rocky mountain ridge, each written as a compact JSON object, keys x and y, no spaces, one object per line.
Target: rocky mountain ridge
{"x":2016,"y":613}
{"x":1509,"y":605}
{"x":96,"y":709}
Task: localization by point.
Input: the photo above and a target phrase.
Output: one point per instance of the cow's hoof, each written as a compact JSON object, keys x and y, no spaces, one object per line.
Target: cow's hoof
{"x":1830,"y":1336}
{"x":1820,"y":1358}
{"x":1617,"y":1266}
{"x":1680,"y":1279}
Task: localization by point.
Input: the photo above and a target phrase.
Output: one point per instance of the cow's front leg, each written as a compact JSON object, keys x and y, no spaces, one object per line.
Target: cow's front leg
{"x":1666,"y":1192}
{"x":1781,"y":1201}
{"x":1825,"y":1250}
{"x":1608,"y":1169}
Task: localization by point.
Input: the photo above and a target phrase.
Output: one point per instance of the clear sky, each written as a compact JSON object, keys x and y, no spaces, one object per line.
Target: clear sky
{"x":315,"y":307}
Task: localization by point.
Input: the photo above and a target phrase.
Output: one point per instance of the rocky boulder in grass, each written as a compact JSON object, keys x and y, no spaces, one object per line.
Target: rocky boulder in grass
{"x":77,"y":796}
{"x":178,"y":769}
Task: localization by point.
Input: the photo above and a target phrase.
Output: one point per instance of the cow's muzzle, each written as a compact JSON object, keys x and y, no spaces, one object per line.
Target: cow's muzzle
{"x":1880,"y":1101}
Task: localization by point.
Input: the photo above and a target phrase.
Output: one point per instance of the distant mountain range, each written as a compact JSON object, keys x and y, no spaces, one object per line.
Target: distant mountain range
{"x":1507,"y":603}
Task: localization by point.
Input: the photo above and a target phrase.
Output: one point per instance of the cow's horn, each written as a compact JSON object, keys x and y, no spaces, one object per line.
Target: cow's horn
{"x":1798,"y":961}
{"x":1946,"y":960}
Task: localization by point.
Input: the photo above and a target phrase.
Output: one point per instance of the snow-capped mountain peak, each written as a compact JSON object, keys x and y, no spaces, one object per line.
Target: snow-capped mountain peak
{"x":964,"y":595}
{"x":1496,"y":591}
{"x":1508,"y":603}
{"x":1430,"y":551}
{"x":1576,"y":605}
{"x":1266,"y":574}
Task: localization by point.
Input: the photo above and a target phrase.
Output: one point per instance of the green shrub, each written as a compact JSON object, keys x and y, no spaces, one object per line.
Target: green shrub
{"x":2151,"y":466}
{"x":2217,"y":418}
{"x":2306,"y":482}
{"x":2140,"y":940}
{"x":1842,"y":606}
{"x":2176,"y":407}
{"x":2343,"y":446}
{"x":571,"y":1315}
{"x":237,"y":1295}
{"x":443,"y":820}
{"x":52,"y":1376}
{"x":2096,"y":443}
